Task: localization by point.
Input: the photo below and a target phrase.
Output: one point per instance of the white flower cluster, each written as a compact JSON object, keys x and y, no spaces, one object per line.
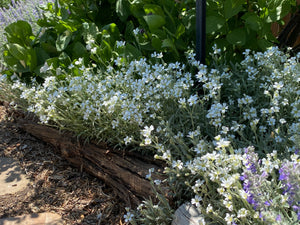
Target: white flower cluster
{"x":258,"y":106}
{"x":122,"y":101}
{"x":201,"y":135}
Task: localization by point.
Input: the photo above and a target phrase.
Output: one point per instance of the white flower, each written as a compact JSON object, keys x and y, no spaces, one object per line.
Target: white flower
{"x":146,"y":132}
{"x":277,"y":85}
{"x":148,"y":176}
{"x":282,"y":121}
{"x":182,"y":102}
{"x":196,"y":201}
{"x":128,"y":217}
{"x":201,"y":221}
{"x":229,"y":219}
{"x":120,"y":44}
{"x":157,"y":182}
{"x":243,"y":194}
{"x":222,"y":143}
{"x":166,"y":155}
{"x":127,"y":140}
{"x":227,"y":183}
{"x":193,"y":100}
{"x":79,"y":61}
{"x":45,"y":68}
{"x":148,"y":141}
{"x":271,"y":121}
{"x":209,"y":208}
{"x":136,"y":31}
{"x":242,"y":213}
{"x":177,"y":164}
{"x":94,"y":50}
{"x":228,"y":205}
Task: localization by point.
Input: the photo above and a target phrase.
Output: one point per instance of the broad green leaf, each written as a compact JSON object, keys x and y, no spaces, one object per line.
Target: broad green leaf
{"x":129,"y":32}
{"x":53,"y":61}
{"x":42,"y":55}
{"x":63,"y":40}
{"x":237,"y":37}
{"x":180,"y":31}
{"x":132,"y":51}
{"x":49,"y":48}
{"x":154,"y":21}
{"x":168,"y":43}
{"x":123,"y":9}
{"x":19,"y":32}
{"x":156,"y":43}
{"x":11,"y":61}
{"x":151,"y":9}
{"x":105,"y":51}
{"x":232,"y":7}
{"x":264,"y":44}
{"x":214,"y":23}
{"x":110,"y":33}
{"x":64,"y":59}
{"x":252,"y":21}
{"x":64,"y":13}
{"x":31,"y":59}
{"x":78,"y":50}
{"x":17,"y":51}
{"x":65,"y":25}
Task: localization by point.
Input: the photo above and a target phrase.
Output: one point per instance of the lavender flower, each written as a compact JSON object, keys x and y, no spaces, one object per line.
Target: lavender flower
{"x":253,"y":180}
{"x":289,"y":175}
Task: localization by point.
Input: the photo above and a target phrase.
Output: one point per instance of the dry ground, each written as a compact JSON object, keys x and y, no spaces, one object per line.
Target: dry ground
{"x":55,"y":185}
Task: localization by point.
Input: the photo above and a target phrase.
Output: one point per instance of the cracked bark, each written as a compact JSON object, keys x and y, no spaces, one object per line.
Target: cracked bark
{"x":125,"y":173}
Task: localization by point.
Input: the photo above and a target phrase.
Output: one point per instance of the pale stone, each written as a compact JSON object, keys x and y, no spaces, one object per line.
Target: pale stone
{"x":12,"y":178}
{"x":34,"y":219}
{"x":187,"y":214}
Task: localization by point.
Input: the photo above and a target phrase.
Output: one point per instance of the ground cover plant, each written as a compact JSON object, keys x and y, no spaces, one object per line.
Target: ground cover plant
{"x":239,"y":136}
{"x":229,"y":132}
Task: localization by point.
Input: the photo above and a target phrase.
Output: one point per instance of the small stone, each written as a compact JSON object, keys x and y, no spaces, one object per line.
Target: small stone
{"x":12,"y":178}
{"x":34,"y":219}
{"x":188,"y":214}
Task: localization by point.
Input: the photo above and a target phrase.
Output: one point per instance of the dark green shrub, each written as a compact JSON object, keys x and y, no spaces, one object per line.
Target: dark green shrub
{"x":232,"y":25}
{"x":168,"y":26}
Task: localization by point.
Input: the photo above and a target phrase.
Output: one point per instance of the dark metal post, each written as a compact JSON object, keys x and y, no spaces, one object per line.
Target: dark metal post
{"x":200,"y":30}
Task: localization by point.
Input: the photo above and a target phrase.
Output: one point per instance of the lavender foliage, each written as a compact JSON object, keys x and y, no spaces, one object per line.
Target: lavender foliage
{"x":261,"y":189}
{"x":289,"y":175}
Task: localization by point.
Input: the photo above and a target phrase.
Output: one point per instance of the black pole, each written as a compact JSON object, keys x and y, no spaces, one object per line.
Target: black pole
{"x":200,"y":30}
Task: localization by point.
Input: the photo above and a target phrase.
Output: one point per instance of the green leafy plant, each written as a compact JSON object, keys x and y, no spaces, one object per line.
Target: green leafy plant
{"x":236,"y":25}
{"x":233,"y":25}
{"x":68,"y":30}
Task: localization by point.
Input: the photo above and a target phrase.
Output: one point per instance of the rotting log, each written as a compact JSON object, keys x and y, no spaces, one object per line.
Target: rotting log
{"x":125,"y":173}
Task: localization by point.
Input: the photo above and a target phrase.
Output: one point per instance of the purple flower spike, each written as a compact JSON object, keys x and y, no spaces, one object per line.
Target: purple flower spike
{"x":267,"y":203}
{"x":278,"y":218}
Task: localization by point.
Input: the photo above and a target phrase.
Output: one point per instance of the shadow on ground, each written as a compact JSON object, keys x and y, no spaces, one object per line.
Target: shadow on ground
{"x":54,"y":185}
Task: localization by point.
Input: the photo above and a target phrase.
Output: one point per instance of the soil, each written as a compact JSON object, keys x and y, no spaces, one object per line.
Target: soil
{"x":55,"y":185}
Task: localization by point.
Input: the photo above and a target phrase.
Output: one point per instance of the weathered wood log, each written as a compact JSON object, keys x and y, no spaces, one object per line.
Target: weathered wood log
{"x":125,"y":173}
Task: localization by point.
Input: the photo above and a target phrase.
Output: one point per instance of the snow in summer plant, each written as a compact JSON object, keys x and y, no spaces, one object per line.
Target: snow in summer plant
{"x":115,"y":105}
{"x":210,"y":161}
{"x":220,"y":130}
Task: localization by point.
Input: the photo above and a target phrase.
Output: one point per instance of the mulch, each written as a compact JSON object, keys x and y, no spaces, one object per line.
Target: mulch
{"x":55,"y":186}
